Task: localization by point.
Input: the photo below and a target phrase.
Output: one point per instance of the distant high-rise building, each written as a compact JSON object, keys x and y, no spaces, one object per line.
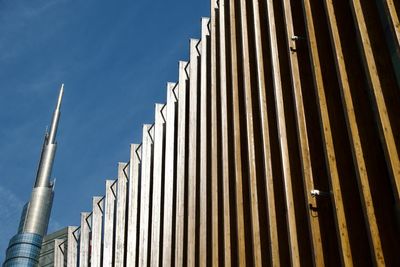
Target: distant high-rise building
{"x":24,"y":247}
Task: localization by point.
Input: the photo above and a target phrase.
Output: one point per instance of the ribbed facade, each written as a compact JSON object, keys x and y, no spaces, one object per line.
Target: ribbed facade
{"x":277,"y":146}
{"x":54,"y":246}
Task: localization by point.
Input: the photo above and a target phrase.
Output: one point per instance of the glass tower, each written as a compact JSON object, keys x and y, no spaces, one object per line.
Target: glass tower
{"x":24,"y":247}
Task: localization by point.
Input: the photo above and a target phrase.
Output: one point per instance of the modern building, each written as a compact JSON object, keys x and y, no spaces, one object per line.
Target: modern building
{"x":58,"y":248}
{"x":54,"y":247}
{"x":278,"y":146}
{"x":25,"y":246}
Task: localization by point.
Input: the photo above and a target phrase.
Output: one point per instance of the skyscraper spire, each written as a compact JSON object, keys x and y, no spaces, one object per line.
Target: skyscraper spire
{"x":24,"y":247}
{"x":56,"y":117}
{"x":49,"y":147}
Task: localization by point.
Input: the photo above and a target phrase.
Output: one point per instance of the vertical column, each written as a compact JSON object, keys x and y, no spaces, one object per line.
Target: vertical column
{"x":72,"y":246}
{"x":97,"y":224}
{"x":133,"y":207}
{"x":181,"y":172}
{"x":341,"y":224}
{"x":252,"y":169}
{"x":283,"y":137}
{"x":120,"y":222}
{"x":214,"y":136}
{"x":84,"y":240}
{"x":262,"y":99}
{"x":170,"y":174}
{"x":204,"y":139}
{"x":145,"y":208}
{"x":354,"y":134}
{"x":237,"y":136}
{"x":158,"y":181}
{"x":59,"y":249}
{"x":193,"y":150}
{"x":109,"y":211}
{"x":224,"y":132}
{"x":308,"y":179}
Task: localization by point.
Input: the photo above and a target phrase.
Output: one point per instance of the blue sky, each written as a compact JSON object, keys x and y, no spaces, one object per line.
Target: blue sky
{"x":115,"y":58}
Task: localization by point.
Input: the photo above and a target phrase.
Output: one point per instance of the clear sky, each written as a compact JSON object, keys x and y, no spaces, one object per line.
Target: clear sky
{"x":115,"y":58}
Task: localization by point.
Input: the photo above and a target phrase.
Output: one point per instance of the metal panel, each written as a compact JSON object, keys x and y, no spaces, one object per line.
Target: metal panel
{"x":59,"y":252}
{"x":97,"y":225}
{"x":120,"y":221}
{"x":256,"y":242}
{"x":133,"y":206}
{"x":72,"y":246}
{"x":225,"y":115}
{"x":158,"y":181}
{"x":181,"y":173}
{"x":146,"y":183}
{"x":84,"y":239}
{"x":240,"y":231}
{"x":204,"y":140}
{"x":193,"y":150}
{"x":39,"y":209}
{"x":109,"y":216}
{"x":214,"y":137}
{"x":170,"y":174}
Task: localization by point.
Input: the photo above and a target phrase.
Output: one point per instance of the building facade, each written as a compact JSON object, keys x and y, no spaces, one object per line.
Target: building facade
{"x":278,"y":146}
{"x":54,"y":247}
